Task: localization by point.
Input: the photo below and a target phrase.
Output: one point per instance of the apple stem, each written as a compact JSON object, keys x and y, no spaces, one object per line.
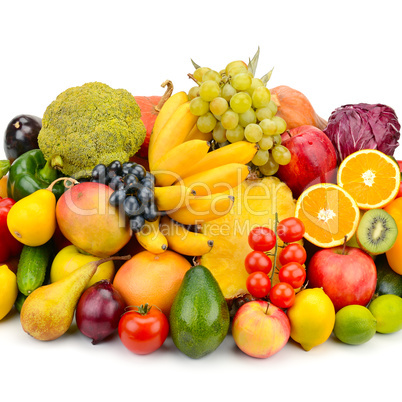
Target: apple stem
{"x":268,"y":304}
{"x":344,"y":245}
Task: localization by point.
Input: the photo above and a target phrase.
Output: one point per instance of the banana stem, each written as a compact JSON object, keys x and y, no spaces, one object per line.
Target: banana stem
{"x":166,"y":95}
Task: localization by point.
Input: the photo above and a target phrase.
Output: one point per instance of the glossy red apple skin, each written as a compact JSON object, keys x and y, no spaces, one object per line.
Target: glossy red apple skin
{"x":313,"y":159}
{"x":260,"y":333}
{"x":12,"y":263}
{"x":348,"y":278}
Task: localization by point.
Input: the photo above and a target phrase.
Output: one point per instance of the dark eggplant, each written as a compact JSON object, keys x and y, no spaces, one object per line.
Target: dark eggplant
{"x":21,"y":135}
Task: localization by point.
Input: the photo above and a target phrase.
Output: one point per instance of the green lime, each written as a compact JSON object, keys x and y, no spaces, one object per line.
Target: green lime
{"x":354,"y":325}
{"x":387,"y":309}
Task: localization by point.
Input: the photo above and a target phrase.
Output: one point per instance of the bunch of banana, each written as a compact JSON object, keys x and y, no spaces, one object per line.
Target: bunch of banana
{"x":165,"y":233}
{"x":193,"y":184}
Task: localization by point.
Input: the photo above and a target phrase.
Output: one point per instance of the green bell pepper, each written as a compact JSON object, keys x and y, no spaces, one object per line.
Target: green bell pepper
{"x":31,"y":172}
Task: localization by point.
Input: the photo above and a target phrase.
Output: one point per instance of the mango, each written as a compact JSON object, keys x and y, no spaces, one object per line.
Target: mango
{"x":89,"y":222}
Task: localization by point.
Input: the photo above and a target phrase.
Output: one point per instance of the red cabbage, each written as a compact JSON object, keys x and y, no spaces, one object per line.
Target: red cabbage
{"x":361,"y":126}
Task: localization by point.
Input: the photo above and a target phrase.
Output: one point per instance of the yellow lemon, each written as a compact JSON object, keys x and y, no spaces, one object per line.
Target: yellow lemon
{"x":312,"y":318}
{"x":8,"y":290}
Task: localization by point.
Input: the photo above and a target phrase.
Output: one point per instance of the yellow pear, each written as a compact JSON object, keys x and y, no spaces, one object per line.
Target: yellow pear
{"x":48,"y":311}
{"x":32,"y":219}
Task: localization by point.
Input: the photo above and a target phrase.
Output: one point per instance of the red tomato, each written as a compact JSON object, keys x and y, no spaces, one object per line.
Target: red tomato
{"x":257,"y":261}
{"x":143,"y":330}
{"x":258,"y":284}
{"x":290,"y":229}
{"x":282,"y":295}
{"x":292,"y":273}
{"x":262,"y":239}
{"x":293,"y":252}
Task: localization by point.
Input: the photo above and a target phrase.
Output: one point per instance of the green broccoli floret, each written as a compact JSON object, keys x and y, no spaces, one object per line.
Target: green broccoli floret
{"x":91,"y":124}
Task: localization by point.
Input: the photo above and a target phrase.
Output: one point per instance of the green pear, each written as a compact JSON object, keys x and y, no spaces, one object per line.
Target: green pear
{"x":48,"y":311}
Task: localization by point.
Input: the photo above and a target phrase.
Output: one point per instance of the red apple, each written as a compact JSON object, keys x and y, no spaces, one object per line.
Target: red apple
{"x":347,"y":276}
{"x":313,"y":159}
{"x":59,"y":240}
{"x":12,"y":263}
{"x":260,"y":331}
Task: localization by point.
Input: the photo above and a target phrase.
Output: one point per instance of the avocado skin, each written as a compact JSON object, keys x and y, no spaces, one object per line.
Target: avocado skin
{"x":199,"y":318}
{"x":388,"y":281}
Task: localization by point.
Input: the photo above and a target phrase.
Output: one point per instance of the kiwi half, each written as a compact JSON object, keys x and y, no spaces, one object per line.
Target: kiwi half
{"x":377,"y":231}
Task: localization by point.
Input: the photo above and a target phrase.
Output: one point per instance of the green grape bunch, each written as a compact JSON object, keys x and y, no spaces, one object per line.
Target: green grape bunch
{"x":236,"y":106}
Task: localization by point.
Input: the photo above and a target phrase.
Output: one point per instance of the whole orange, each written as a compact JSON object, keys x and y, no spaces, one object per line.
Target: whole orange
{"x":394,"y":255}
{"x":151,"y":278}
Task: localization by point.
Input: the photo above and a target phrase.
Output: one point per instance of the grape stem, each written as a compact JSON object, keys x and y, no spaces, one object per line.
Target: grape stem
{"x":191,"y":76}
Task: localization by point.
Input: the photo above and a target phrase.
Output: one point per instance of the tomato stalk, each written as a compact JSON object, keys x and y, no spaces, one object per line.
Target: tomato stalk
{"x":276,"y":247}
{"x":144,"y":309}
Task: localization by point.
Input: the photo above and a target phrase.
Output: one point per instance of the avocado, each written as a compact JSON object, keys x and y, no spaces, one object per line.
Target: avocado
{"x":199,"y":317}
{"x":388,"y":281}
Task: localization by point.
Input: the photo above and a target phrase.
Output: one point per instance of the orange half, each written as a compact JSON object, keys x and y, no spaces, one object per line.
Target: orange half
{"x":370,"y":177}
{"x":329,"y":214}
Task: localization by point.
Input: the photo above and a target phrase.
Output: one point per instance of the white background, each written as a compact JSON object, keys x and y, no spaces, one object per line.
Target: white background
{"x":335,"y":53}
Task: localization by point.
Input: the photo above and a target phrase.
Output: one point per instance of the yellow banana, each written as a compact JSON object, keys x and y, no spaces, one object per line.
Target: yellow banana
{"x":196,"y":134}
{"x":172,"y":133}
{"x":203,"y":209}
{"x":175,"y":163}
{"x":238,"y":152}
{"x":171,"y":197}
{"x":151,"y":238}
{"x":184,"y":241}
{"x":169,"y":107}
{"x":216,"y":180}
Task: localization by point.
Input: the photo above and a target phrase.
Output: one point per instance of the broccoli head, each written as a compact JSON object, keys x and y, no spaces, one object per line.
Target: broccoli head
{"x":88,"y":125}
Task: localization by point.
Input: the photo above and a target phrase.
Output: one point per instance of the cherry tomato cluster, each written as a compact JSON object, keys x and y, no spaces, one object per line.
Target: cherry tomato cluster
{"x":292,"y":257}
